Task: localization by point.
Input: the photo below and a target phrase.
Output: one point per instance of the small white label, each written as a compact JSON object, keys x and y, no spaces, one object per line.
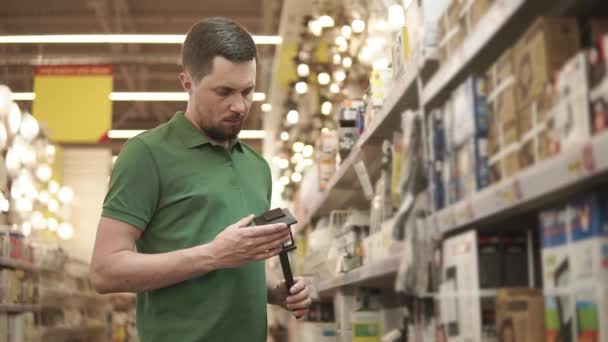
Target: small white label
{"x":363,"y":176}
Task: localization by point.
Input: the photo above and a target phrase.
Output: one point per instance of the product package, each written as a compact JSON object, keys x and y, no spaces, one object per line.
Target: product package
{"x":541,"y":52}
{"x":381,"y":84}
{"x":452,"y":29}
{"x":520,"y":315}
{"x":469,"y":111}
{"x":327,"y":153}
{"x":598,"y":77}
{"x":477,"y":9}
{"x":347,"y":130}
{"x":401,"y":52}
{"x":472,"y":164}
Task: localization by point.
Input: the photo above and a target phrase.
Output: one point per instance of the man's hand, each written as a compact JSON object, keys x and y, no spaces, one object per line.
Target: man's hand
{"x":239,"y":244}
{"x":298,"y":301}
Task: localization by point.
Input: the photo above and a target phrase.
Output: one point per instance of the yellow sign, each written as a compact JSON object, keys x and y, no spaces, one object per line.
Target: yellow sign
{"x":73,"y":101}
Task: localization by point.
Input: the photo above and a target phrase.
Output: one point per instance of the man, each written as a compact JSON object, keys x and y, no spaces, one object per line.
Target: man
{"x":175,"y":222}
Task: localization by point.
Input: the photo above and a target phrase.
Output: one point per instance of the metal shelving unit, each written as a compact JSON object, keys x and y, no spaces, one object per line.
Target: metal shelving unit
{"x":21,"y":265}
{"x":18,"y":308}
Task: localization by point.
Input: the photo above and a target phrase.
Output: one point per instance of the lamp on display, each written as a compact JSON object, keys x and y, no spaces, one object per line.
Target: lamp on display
{"x":5,"y":100}
{"x":29,"y":128}
{"x":14,"y":119}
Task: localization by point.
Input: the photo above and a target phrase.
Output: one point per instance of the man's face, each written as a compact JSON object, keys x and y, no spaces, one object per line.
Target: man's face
{"x":221,"y":99}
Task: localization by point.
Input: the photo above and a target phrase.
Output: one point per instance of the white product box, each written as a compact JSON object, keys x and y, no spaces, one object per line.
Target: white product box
{"x":470,"y":112}
{"x":459,"y":292}
{"x":401,"y":52}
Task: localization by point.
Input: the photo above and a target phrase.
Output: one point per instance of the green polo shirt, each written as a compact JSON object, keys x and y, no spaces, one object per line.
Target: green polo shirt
{"x":182,"y":190}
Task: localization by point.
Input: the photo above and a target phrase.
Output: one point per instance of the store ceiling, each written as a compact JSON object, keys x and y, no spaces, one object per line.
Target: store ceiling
{"x":137,"y":68}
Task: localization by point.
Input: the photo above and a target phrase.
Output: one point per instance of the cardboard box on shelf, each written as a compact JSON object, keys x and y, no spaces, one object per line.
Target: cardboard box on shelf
{"x":452,"y":29}
{"x":472,"y":163}
{"x":520,"y":315}
{"x":477,"y":10}
{"x":505,"y":164}
{"x":542,"y":50}
{"x":598,"y":71}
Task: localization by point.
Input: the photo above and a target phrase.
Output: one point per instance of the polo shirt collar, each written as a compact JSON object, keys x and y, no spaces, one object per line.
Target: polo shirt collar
{"x":192,"y":137}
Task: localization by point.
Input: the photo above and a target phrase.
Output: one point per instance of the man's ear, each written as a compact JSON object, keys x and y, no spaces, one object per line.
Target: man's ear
{"x":186,"y":82}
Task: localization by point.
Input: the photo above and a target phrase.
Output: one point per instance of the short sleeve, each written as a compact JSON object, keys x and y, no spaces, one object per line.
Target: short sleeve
{"x":134,"y":189}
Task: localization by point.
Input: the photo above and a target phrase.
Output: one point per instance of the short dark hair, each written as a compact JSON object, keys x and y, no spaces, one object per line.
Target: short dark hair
{"x":213,"y":37}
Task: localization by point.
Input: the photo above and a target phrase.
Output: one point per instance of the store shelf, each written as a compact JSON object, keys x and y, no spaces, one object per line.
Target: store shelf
{"x":378,"y":274}
{"x":344,"y":190}
{"x":51,"y":294}
{"x":72,"y":331}
{"x":531,"y":188}
{"x":21,"y":265}
{"x":18,"y":308}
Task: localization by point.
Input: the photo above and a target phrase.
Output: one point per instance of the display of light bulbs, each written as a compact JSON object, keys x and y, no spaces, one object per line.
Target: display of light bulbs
{"x":347,"y":62}
{"x":337,"y":59}
{"x":65,"y":231}
{"x":3,"y":136}
{"x":14,"y":119}
{"x":326,"y":108}
{"x":296,"y":157}
{"x":358,"y":25}
{"x":324,"y":78}
{"x":284,"y":136}
{"x":5,"y":101}
{"x":53,"y":187}
{"x":65,"y":195}
{"x":38,"y":221}
{"x":44,"y":173}
{"x":50,"y":151}
{"x":28,"y":156}
{"x":52,"y":224}
{"x":26,"y":229}
{"x":13,"y":162}
{"x":301,"y":87}
{"x":340,"y":40}
{"x":44,"y":197}
{"x":308,"y":151}
{"x":283,"y":164}
{"x":24,"y":205}
{"x":29,"y":128}
{"x":298,"y":146}
{"x":346,"y":31}
{"x":296,"y":177}
{"x":293,"y":117}
{"x":53,"y":205}
{"x":326,"y":21}
{"x":315,"y":27}
{"x":303,"y":70}
{"x":266,"y":107}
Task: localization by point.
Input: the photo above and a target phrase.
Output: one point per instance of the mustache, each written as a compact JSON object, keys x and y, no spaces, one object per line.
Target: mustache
{"x":234,"y":117}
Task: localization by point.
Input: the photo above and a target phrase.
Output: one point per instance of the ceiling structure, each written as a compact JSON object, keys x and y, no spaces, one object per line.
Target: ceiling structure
{"x":137,"y":67}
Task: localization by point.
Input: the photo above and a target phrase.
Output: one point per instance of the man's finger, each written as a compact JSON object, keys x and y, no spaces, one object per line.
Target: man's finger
{"x":303,"y":295}
{"x":298,"y":286}
{"x":304,"y":305}
{"x":274,"y":243}
{"x":300,"y":313}
{"x":268,"y":255}
{"x":257,"y":231}
{"x":245,"y":221}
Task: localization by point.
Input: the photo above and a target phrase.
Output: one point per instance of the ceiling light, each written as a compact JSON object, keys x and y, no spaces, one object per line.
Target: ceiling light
{"x":116,"y":39}
{"x":139,"y":96}
{"x":293,"y":117}
{"x":358,"y":25}
{"x":130,"y":133}
{"x":301,"y":88}
{"x":326,"y":108}
{"x":324,"y":78}
{"x":326,"y":21}
{"x":346,"y":31}
{"x":266,"y":107}
{"x":396,"y":16}
{"x":347,"y":62}
{"x":303,"y":70}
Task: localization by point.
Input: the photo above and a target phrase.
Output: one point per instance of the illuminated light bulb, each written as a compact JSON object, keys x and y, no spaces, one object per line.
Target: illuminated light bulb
{"x":5,"y":100}
{"x":24,"y":205}
{"x":396,"y":16}
{"x":380,"y":64}
{"x":50,"y":151}
{"x":38,"y":221}
{"x":324,"y":78}
{"x":293,"y":117}
{"x":308,"y":151}
{"x":65,"y":231}
{"x":346,"y":31}
{"x":347,"y":62}
{"x":29,"y":127}
{"x":296,"y":157}
{"x":298,"y":146}
{"x":284,"y":180}
{"x":26,"y":229}
{"x":341,"y":41}
{"x":28,"y":157}
{"x":53,"y":205}
{"x":340,"y":75}
{"x":334,"y":88}
{"x":14,"y":119}
{"x":266,"y":107}
{"x":326,"y":108}
{"x":284,"y":136}
{"x":307,"y":162}
{"x":3,"y":136}
{"x":44,"y":173}
{"x":324,"y":130}
{"x":52,"y":224}
{"x":358,"y":25}
{"x":301,"y":87}
{"x":300,"y":166}
{"x":283,"y":164}
{"x":303,"y":70}
{"x":337,"y":59}
{"x":5,"y":204}
{"x":326,"y":21}
{"x":315,"y":27}
{"x":44,"y":197}
{"x":13,"y":161}
{"x":53,"y":187}
{"x":66,"y":194}
{"x":296,"y":177}
{"x":382,"y":25}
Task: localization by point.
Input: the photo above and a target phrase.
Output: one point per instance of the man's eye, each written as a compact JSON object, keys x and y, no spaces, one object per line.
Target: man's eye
{"x":247,"y":92}
{"x":223,"y":92}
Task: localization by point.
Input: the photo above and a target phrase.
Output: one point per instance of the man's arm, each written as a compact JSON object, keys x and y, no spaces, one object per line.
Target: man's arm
{"x":117,"y":267}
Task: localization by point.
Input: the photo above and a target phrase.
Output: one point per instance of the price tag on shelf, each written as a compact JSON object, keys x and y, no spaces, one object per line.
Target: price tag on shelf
{"x":446,"y":220}
{"x":464,"y":213}
{"x":364,"y":179}
{"x":509,"y":193}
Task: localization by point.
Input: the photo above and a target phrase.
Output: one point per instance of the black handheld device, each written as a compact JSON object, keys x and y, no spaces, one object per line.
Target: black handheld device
{"x":281,"y":216}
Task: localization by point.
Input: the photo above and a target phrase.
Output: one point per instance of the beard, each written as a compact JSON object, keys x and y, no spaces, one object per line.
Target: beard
{"x":223,"y":133}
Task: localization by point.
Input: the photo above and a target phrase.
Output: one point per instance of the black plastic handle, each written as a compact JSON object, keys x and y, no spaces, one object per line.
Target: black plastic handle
{"x":286,"y":271}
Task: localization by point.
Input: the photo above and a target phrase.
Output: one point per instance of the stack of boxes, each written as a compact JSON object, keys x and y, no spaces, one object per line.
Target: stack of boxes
{"x":575,"y":269}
